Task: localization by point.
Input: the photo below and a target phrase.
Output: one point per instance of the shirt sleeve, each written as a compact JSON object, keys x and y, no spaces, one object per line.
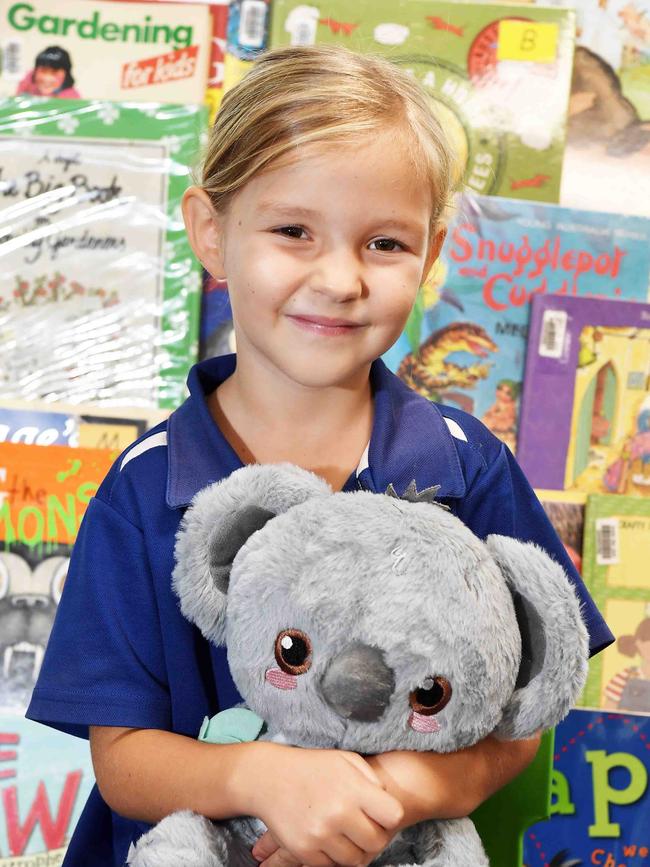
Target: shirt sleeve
{"x":502,"y":501}
{"x":104,"y":662}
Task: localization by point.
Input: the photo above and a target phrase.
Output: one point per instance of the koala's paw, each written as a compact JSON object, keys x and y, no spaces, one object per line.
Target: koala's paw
{"x":460,"y":845}
{"x":183,"y":839}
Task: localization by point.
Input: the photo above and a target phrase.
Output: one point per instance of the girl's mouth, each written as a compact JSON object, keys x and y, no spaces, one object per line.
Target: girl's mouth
{"x":324,"y":325}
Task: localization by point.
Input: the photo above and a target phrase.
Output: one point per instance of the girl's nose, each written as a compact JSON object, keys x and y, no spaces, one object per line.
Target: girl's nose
{"x":339,"y":276}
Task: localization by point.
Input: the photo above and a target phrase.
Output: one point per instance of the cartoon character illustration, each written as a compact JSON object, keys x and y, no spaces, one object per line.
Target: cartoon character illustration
{"x":438,"y":640}
{"x":428,"y":371}
{"x":29,"y":594}
{"x":630,"y":689}
{"x":51,"y":75}
{"x":568,"y":522}
{"x":501,"y":417}
{"x":632,"y":469}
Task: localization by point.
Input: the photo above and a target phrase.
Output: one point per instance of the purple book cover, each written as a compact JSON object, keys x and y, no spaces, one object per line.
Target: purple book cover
{"x":585,"y":416}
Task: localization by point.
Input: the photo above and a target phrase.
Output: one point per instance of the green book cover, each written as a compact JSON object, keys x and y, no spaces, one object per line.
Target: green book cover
{"x":499,"y":76}
{"x":101,"y":293}
{"x":615,"y":568}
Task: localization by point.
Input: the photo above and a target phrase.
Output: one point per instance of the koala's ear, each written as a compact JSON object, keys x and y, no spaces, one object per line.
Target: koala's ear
{"x":555,"y":643}
{"x":220,"y":520}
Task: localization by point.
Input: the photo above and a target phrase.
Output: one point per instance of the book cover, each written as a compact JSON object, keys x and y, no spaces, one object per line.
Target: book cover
{"x":45,"y":780}
{"x":101,"y":295}
{"x":499,"y":76}
{"x":85,"y":425}
{"x":465,"y":342}
{"x":609,"y":109}
{"x":105,"y":50}
{"x":44,"y":492}
{"x":566,"y":511}
{"x":600,"y":800}
{"x":615,"y":569}
{"x":585,"y":418}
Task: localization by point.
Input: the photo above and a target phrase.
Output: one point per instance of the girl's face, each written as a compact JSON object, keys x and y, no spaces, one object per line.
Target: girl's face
{"x":324,"y":257}
{"x":48,"y":80}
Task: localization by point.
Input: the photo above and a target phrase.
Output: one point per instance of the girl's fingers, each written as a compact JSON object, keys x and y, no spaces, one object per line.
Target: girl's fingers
{"x":383,"y":808}
{"x":370,"y":837}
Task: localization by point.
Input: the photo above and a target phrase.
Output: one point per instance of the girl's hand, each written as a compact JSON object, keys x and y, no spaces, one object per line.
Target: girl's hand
{"x":323,"y":807}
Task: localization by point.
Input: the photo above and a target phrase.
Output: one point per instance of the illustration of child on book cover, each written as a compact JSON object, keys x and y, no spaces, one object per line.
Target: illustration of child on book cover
{"x":609,"y":450}
{"x":51,"y":75}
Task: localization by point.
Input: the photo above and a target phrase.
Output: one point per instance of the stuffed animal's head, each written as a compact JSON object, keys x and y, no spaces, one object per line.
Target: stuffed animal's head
{"x":368,"y":622}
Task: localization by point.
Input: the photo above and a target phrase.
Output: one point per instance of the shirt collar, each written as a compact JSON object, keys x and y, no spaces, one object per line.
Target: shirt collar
{"x":410,"y":440}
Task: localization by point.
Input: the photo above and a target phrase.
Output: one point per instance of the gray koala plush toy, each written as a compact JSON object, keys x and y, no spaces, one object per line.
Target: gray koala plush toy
{"x":369,"y":623}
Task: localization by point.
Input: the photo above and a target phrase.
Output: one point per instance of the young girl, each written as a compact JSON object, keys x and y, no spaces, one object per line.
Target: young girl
{"x":51,"y":75}
{"x":321,"y":202}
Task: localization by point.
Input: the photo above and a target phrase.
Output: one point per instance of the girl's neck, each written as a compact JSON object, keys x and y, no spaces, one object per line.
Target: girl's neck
{"x":268,"y":418}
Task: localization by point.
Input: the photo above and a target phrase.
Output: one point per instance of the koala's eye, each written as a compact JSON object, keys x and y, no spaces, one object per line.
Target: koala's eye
{"x":431,"y":697}
{"x":293,"y":651}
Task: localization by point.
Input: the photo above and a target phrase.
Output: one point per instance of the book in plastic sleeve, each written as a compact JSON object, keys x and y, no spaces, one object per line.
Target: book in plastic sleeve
{"x":585,"y":418}
{"x":566,"y":511}
{"x":101,"y":292}
{"x":98,"y":49}
{"x":465,"y":341}
{"x":498,"y":75}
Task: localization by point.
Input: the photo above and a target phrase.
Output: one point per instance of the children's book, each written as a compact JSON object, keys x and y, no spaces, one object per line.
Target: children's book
{"x":45,"y":779}
{"x":45,"y":776}
{"x":566,"y":511}
{"x":44,"y":492}
{"x":585,"y":419}
{"x":84,"y":425}
{"x":607,"y":158}
{"x":101,"y":292}
{"x":498,"y":75}
{"x":615,"y":569}
{"x":98,"y":49}
{"x":465,"y":342}
{"x":600,"y":795}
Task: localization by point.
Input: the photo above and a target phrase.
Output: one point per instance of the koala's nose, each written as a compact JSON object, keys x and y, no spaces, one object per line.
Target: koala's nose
{"x":358,"y":684}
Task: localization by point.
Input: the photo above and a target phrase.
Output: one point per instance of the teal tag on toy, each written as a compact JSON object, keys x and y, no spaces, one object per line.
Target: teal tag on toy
{"x":236,"y":725}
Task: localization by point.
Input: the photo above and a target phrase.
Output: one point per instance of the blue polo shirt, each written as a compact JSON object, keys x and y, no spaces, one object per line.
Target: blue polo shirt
{"x":121,"y":653}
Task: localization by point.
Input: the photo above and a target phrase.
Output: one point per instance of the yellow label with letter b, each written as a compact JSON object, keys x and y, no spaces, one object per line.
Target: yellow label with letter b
{"x":527,"y":40}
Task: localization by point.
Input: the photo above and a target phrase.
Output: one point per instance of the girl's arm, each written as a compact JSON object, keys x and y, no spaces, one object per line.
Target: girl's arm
{"x":434,"y":785}
{"x":323,"y":806}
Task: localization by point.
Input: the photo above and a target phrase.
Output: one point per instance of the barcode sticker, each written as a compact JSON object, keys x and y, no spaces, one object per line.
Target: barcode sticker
{"x":301,"y":24}
{"x":551,"y":340}
{"x":11,"y":59}
{"x":252,"y":23}
{"x":607,"y":546}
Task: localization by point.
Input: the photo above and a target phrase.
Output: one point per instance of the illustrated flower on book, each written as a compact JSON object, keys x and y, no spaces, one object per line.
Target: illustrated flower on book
{"x":68,"y":124}
{"x":109,"y":113}
{"x":46,"y":289}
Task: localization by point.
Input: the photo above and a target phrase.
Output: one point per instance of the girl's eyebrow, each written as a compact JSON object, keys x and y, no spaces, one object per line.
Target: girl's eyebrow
{"x":285,"y":210}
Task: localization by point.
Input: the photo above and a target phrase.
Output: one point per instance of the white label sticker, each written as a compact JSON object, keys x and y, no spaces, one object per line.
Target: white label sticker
{"x":607,"y":547}
{"x":551,"y":340}
{"x":12,"y":60}
{"x":302,"y":24}
{"x":252,"y":23}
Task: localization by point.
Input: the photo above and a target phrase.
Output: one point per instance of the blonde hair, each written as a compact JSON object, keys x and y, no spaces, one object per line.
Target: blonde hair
{"x":296,"y":96}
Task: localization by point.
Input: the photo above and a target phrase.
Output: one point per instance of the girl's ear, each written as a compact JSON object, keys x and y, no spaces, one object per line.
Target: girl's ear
{"x":554,"y":639}
{"x":205,"y":231}
{"x":219,"y":522}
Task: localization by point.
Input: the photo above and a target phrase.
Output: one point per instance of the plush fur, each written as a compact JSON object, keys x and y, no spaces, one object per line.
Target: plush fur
{"x":391,"y":593}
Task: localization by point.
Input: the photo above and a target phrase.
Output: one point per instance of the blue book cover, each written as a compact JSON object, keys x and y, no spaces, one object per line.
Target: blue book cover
{"x":465,"y":342}
{"x":600,"y":802}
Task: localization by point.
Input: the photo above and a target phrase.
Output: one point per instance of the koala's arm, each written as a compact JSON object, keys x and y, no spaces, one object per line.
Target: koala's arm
{"x":451,"y":785}
{"x":145,"y":774}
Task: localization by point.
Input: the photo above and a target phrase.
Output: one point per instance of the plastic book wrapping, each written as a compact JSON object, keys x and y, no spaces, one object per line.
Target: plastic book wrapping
{"x":585,"y":418}
{"x":101,"y":295}
{"x":83,"y":425}
{"x":46,"y":776}
{"x":99,"y":49}
{"x":498,"y":75}
{"x":465,"y":341}
{"x":600,"y":800}
{"x":566,"y":511}
{"x":615,"y":563}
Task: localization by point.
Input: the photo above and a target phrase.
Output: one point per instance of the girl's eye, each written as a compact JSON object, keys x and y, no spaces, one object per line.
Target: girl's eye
{"x":385,"y":245}
{"x":290,"y":231}
{"x":293,"y":651}
{"x":432,"y":696}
